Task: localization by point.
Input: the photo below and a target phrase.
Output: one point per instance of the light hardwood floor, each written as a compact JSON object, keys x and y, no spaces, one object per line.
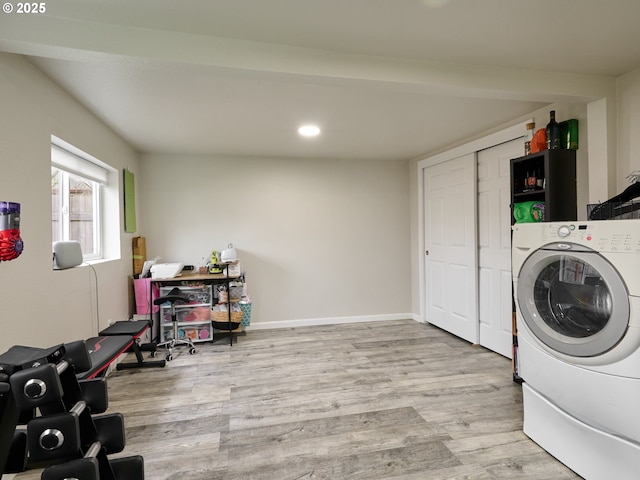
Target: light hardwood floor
{"x":381,"y":400}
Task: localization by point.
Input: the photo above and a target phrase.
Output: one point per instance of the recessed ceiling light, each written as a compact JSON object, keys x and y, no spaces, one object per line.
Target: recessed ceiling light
{"x":309,"y":130}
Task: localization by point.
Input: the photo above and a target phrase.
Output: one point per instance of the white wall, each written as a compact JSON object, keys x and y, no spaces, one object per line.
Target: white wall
{"x":40,"y":307}
{"x":628,"y":109}
{"x":320,"y":240}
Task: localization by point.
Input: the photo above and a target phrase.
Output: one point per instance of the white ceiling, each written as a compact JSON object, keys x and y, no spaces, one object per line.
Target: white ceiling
{"x":385,"y":79}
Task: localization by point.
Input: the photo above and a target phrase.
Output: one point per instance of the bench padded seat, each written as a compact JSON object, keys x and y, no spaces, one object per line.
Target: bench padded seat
{"x":105,"y":350}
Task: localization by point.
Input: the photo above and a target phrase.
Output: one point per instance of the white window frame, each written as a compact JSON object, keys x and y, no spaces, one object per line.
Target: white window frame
{"x":69,"y":160}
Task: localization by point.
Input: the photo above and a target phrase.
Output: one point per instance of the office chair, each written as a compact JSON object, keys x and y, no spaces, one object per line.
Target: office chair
{"x":175,"y":296}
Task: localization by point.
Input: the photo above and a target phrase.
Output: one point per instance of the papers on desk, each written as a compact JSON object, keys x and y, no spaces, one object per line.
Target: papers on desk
{"x":166,"y":270}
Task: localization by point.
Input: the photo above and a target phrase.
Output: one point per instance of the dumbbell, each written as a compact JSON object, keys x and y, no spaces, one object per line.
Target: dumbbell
{"x":37,"y":386}
{"x":55,"y":436}
{"x":95,"y":394}
{"x":77,"y":355}
{"x":86,"y":468}
{"x":17,"y":455}
{"x":111,"y":433}
{"x":95,"y":466}
{"x":127,"y":468}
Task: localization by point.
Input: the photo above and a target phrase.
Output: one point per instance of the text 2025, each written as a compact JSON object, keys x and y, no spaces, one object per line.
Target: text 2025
{"x":33,"y":7}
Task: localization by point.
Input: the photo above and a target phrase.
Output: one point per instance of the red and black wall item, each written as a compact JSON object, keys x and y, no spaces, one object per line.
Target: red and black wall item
{"x":11,"y":244}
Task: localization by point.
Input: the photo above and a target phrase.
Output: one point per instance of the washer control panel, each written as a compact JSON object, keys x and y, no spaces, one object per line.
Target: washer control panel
{"x":603,"y":235}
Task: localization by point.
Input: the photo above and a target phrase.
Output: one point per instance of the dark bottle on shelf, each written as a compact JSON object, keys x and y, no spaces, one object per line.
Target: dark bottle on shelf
{"x":553,"y":132}
{"x":540,"y":179}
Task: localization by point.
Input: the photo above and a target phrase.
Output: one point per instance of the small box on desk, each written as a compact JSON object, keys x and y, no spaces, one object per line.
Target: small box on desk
{"x":139,"y":254}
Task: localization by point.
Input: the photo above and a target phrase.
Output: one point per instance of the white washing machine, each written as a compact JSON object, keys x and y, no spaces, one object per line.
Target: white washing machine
{"x":577,"y":293}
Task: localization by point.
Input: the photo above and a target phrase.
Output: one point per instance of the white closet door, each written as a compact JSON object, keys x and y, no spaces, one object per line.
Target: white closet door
{"x":494,"y":246}
{"x":450,"y":242}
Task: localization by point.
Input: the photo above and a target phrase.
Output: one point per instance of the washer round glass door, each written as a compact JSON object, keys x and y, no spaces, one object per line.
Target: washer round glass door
{"x":573,"y":300}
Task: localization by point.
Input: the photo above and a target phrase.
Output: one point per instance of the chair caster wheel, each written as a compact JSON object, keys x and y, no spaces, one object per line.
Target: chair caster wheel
{"x":192,"y":350}
{"x":169,"y":357}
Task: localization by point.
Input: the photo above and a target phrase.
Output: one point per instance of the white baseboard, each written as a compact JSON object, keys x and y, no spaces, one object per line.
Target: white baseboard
{"x":308,"y":322}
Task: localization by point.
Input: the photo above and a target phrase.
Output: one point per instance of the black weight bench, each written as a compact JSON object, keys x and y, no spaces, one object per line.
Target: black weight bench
{"x":113,"y":342}
{"x":135,"y":330}
{"x":103,"y":351}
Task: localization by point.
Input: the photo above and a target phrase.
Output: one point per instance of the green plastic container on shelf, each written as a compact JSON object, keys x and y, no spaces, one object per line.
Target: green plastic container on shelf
{"x":528,"y":212}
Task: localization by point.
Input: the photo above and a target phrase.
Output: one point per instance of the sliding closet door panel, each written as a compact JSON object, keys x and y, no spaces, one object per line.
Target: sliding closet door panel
{"x":450,"y":241}
{"x":494,"y":246}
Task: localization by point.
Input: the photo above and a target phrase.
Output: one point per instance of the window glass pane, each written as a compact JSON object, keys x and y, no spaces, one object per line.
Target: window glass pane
{"x":81,"y":212}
